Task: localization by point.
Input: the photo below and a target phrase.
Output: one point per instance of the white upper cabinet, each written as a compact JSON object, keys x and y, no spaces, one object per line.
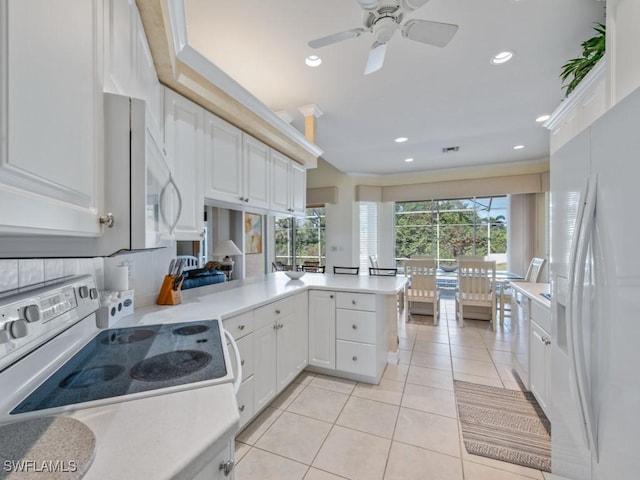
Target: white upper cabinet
{"x":129,"y":68}
{"x":185,"y":146}
{"x":280,"y":184}
{"x":222,"y":161}
{"x":256,"y":170}
{"x":51,"y":160}
{"x":298,"y":188}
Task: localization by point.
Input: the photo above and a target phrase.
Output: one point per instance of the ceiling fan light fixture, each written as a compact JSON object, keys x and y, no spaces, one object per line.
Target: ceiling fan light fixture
{"x":412,"y":4}
{"x":313,"y":61}
{"x":368,"y":4}
{"x":543,"y":118}
{"x":502,"y":57}
{"x":401,"y":139}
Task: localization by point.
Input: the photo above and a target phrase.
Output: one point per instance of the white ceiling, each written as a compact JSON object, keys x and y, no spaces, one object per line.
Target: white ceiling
{"x":438,"y":97}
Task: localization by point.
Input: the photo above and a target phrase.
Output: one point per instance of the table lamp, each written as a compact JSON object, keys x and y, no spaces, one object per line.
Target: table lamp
{"x":226,"y":248}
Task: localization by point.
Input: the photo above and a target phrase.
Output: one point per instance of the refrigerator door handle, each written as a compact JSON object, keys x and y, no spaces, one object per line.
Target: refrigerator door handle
{"x":580,"y":362}
{"x":571,"y":295}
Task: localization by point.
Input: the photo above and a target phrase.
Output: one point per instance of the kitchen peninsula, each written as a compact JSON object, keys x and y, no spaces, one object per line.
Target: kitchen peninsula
{"x":340,"y":325}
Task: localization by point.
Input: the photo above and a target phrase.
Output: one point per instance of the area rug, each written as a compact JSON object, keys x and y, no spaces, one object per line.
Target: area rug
{"x":507,"y":425}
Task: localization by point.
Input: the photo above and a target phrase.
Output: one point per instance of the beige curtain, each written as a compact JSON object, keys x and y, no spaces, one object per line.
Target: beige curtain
{"x":522,"y":232}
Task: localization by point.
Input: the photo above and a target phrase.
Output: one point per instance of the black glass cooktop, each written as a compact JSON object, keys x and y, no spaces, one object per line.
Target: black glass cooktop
{"x":131,"y":360}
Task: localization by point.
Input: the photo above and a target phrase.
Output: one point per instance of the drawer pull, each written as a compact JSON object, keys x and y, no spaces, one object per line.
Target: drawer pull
{"x":353,"y":302}
{"x":330,"y":296}
{"x":354,"y":326}
{"x":241,"y":327}
{"x":226,"y":467}
{"x":354,"y":358}
{"x":545,"y":340}
{"x":241,"y":408}
{"x":242,"y":362}
{"x":277,"y":312}
{"x":275,"y":327}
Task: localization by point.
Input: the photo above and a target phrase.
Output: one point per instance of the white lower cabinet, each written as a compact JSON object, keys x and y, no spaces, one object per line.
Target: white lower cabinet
{"x":222,"y":465}
{"x":264,"y":383}
{"x":540,"y":356}
{"x":245,"y":401}
{"x":356,"y":333}
{"x":241,"y":329}
{"x":322,"y":329}
{"x":354,"y":357}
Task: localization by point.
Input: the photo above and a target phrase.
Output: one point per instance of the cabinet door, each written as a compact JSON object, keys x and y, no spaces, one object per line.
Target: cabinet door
{"x":301,"y":332}
{"x":256,"y":168}
{"x":223,"y":161}
{"x":264,"y":366}
{"x":280,"y":185}
{"x":298,"y":189}
{"x":540,"y":363}
{"x":322,"y":329}
{"x":184,"y":141}
{"x":119,"y":64}
{"x":286,"y":369}
{"x":51,"y":159}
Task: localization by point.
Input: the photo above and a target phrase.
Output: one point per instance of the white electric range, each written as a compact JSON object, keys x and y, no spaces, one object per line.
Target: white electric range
{"x":55,"y":360}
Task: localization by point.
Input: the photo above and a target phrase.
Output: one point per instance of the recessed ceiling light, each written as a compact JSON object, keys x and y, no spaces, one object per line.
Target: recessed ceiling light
{"x":543,"y":118}
{"x":408,"y":160}
{"x":313,"y":60}
{"x":401,"y":139}
{"x":518,"y":147}
{"x":502,"y":57}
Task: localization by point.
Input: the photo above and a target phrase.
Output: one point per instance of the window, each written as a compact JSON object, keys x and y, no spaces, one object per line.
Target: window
{"x":446,"y":229}
{"x":301,"y":239}
{"x":368,"y":233}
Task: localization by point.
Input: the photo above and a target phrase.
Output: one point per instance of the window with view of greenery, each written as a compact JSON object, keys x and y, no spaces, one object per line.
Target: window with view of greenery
{"x":301,"y":239}
{"x":447,"y":229}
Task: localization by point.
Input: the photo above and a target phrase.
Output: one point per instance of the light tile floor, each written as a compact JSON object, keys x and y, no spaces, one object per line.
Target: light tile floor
{"x":405,"y":428}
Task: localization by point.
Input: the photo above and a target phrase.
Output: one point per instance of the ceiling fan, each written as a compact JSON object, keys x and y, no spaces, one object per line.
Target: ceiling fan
{"x":383,"y":18}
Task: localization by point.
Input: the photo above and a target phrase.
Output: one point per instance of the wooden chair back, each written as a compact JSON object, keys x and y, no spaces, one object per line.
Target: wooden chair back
{"x":423,"y":276}
{"x":476,"y":280}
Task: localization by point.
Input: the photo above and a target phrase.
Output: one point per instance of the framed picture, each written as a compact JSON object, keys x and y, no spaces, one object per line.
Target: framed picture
{"x":252,"y":233}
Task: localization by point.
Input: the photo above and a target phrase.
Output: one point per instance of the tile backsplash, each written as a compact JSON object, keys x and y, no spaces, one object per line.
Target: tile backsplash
{"x":146,"y":271}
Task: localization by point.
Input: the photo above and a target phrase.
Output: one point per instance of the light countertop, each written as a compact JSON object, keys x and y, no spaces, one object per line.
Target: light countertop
{"x":533,"y":291}
{"x":223,"y":300}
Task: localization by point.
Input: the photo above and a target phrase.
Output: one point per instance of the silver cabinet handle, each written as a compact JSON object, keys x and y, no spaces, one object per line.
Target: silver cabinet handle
{"x":242,"y":362}
{"x":109,"y":220}
{"x":241,"y":327}
{"x":227,"y":467}
{"x":275,"y":327}
{"x":354,"y":326}
{"x":354,"y":358}
{"x":353,"y":302}
{"x":241,"y":408}
{"x":545,"y":340}
{"x":277,"y":312}
{"x":330,"y":296}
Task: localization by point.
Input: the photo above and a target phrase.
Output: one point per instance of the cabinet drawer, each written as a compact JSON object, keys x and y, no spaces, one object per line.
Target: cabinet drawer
{"x":541,"y":315}
{"x":239,"y":325}
{"x":356,"y":301}
{"x":245,"y":401}
{"x":273,"y":311}
{"x":356,"y":357}
{"x":245,"y":345}
{"x":356,"y":325}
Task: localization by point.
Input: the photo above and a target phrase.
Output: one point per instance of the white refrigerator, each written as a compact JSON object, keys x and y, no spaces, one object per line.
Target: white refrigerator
{"x":595,"y":275}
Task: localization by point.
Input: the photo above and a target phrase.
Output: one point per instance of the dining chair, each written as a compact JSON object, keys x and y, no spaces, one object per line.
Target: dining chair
{"x":190,"y":262}
{"x":346,"y":270}
{"x":476,"y":288}
{"x":422,"y":286}
{"x":533,"y":275}
{"x":383,"y":272}
{"x":313,"y":267}
{"x":373,"y":261}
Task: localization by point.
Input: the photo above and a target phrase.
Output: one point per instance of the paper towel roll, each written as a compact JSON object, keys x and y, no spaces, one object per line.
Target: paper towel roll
{"x":117,"y":278}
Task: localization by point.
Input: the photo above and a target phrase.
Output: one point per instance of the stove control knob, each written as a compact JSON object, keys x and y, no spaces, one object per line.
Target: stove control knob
{"x":93,"y":293}
{"x":83,"y":291}
{"x":18,"y":329}
{"x":32,"y":313}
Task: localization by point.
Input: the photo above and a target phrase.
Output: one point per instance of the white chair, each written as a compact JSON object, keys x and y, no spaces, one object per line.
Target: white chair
{"x":190,"y":263}
{"x":533,"y":275}
{"x":476,"y":287}
{"x":423,"y":287}
{"x":373,"y":261}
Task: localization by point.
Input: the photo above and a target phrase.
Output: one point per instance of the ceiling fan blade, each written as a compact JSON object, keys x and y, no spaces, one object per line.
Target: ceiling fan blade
{"x":432,"y":33}
{"x":369,"y":4}
{"x":413,"y":4}
{"x":376,"y":57}
{"x":336,"y":37}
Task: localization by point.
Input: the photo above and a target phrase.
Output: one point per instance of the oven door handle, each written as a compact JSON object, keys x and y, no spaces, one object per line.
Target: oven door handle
{"x":238,"y":380}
